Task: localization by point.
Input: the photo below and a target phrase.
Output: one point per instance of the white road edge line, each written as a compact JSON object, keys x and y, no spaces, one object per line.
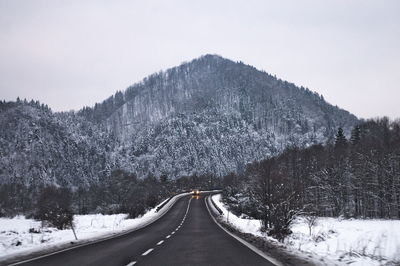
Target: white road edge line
{"x":105,"y":238}
{"x":131,"y":263}
{"x":245,"y":243}
{"x":148,"y":251}
{"x":159,"y":243}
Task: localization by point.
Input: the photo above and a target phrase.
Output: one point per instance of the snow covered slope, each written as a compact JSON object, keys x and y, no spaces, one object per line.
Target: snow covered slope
{"x":20,"y":235}
{"x":213,"y":115}
{"x":353,"y":242}
{"x":210,"y":115}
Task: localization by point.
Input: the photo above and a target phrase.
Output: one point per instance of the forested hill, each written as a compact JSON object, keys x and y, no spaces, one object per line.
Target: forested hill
{"x":218,"y":84}
{"x":211,"y":115}
{"x":40,"y":147}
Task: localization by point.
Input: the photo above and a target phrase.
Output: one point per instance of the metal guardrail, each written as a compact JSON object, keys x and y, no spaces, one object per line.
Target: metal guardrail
{"x":164,"y":203}
{"x":216,"y":207}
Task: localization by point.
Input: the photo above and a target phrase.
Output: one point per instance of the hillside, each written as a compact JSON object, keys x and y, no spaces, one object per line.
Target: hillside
{"x":214,"y":115}
{"x":210,"y":115}
{"x":39,"y":147}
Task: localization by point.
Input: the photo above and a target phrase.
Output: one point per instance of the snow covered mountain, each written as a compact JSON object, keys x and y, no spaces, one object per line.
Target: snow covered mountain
{"x":210,"y":115}
{"x":39,"y":147}
{"x":214,"y":115}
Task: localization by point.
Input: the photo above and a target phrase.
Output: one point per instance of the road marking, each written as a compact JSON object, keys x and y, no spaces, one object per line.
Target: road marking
{"x":100,"y":239}
{"x":244,"y":242}
{"x":148,"y":251}
{"x":168,"y":236}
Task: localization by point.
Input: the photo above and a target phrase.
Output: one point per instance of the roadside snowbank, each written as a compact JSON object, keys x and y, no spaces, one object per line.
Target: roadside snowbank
{"x":355,"y":242}
{"x":250,"y":226}
{"x":19,"y":236}
{"x":359,"y":242}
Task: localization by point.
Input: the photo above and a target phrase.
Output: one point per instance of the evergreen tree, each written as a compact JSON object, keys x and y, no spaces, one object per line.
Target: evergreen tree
{"x":355,"y":135}
{"x":340,"y":140}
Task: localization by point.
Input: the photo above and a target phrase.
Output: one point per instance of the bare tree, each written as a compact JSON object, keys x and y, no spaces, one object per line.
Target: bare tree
{"x":311,"y":221}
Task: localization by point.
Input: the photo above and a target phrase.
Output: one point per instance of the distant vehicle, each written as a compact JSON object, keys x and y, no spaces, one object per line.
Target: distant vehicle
{"x":196,"y":192}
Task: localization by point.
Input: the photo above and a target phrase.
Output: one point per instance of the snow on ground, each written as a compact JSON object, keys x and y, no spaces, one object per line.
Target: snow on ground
{"x":15,"y":235}
{"x":355,"y":242}
{"x":250,"y":226}
{"x":359,"y":242}
{"x":20,"y":235}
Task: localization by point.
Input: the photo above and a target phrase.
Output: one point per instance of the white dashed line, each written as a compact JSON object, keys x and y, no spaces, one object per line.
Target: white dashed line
{"x":147,"y":252}
{"x":131,"y":263}
{"x":168,"y":236}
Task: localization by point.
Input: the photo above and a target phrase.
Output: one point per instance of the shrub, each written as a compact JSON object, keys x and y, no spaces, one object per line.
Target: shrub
{"x":54,"y":206}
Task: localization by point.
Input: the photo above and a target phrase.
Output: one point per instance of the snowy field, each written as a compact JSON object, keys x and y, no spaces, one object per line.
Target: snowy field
{"x":353,"y":242}
{"x":19,"y":235}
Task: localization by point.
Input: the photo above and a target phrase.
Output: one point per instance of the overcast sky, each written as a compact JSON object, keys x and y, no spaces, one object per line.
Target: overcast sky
{"x":69,"y":54}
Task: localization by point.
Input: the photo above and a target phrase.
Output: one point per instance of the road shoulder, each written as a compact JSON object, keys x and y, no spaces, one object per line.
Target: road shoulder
{"x":41,"y":252}
{"x":280,"y":255}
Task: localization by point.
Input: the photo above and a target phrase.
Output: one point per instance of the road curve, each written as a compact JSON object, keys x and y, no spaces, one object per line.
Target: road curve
{"x":185,"y":235}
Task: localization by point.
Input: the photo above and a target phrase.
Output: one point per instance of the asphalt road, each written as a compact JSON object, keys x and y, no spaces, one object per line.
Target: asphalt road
{"x":185,"y":235}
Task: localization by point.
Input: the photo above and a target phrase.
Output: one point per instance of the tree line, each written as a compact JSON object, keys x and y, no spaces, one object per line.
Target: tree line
{"x":355,"y":177}
{"x":120,"y":192}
